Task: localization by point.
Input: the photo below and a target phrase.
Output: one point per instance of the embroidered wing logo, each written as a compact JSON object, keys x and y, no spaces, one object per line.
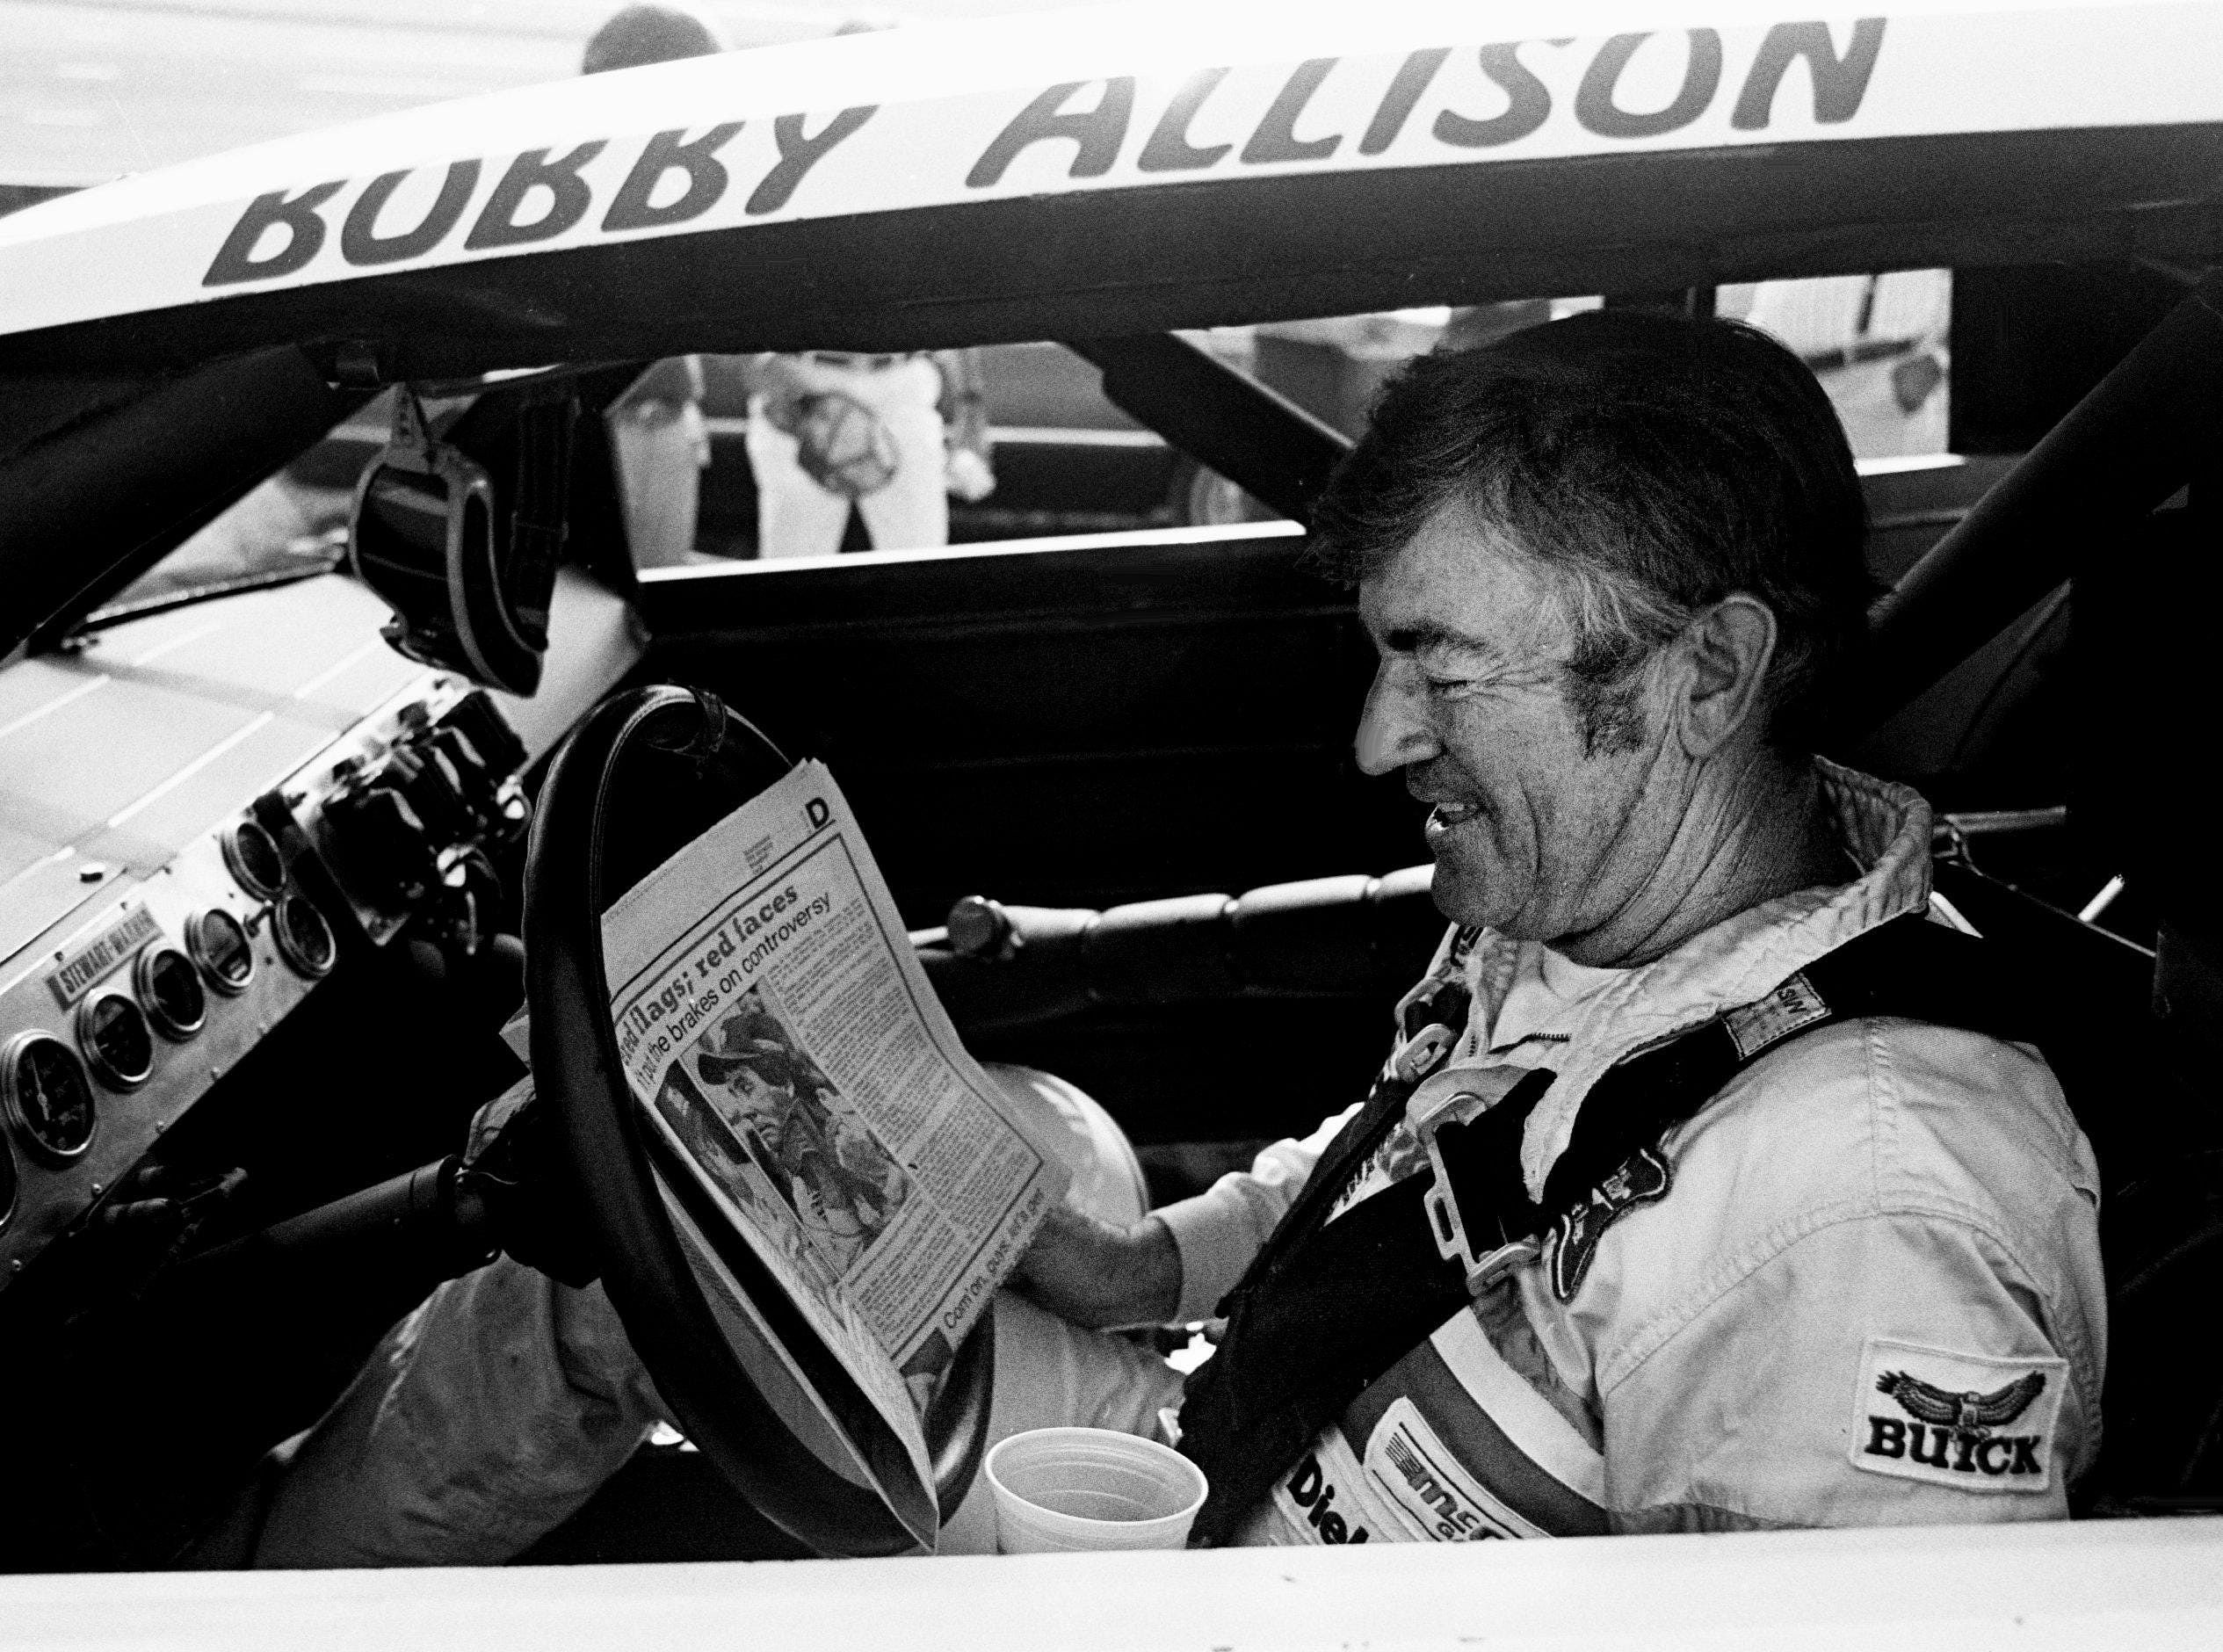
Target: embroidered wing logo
{"x":1966,"y":1412}
{"x":1972,"y":1422}
{"x":1643,"y":1177}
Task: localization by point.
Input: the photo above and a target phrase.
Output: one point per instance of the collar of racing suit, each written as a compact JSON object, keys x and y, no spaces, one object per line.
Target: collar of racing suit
{"x":1885,"y":830}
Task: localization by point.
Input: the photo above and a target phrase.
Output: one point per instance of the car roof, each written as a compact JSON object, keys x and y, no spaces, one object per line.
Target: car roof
{"x":1135,"y":167}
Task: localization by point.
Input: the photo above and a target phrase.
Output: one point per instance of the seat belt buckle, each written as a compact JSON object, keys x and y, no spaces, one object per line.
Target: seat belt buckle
{"x":1481,"y":1250}
{"x":1422,"y":1054}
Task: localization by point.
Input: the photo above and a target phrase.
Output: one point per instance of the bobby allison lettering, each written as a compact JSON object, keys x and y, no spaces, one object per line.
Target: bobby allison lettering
{"x":1099,"y":132}
{"x":681,"y":174}
{"x":553,"y":188}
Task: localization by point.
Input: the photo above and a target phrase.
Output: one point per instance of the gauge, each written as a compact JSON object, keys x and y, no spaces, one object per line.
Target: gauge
{"x":112,"y":1032}
{"x":220,"y":946}
{"x":303,"y":934}
{"x":49,"y":1096}
{"x":252,"y":855}
{"x":170,"y":987}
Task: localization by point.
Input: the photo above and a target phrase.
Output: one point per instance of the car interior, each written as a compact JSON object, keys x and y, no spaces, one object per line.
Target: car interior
{"x":1107,"y":772}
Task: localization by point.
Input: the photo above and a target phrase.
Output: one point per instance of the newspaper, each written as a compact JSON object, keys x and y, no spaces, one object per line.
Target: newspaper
{"x":779,"y":1034}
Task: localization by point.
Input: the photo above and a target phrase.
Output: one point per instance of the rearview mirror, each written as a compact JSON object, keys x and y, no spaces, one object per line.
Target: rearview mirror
{"x":467,"y":572}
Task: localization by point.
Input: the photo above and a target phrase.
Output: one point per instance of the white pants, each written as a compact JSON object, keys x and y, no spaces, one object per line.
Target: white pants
{"x":795,"y":517}
{"x":494,"y":1411}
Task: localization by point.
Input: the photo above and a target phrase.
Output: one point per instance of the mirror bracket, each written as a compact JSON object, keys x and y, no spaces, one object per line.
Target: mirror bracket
{"x":467,"y":567}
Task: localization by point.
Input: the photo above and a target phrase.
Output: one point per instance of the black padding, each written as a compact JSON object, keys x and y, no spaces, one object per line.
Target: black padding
{"x":2164,"y":1404}
{"x":1255,"y":437}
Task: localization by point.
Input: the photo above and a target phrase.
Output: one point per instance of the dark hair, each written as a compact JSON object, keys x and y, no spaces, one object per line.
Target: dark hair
{"x":1654,"y":463}
{"x":639,"y":35}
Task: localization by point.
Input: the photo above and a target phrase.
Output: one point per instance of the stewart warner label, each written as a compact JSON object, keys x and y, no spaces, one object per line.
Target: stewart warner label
{"x":82,"y":966}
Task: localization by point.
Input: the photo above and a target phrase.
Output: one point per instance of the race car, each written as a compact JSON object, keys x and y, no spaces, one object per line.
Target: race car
{"x":265,"y":835}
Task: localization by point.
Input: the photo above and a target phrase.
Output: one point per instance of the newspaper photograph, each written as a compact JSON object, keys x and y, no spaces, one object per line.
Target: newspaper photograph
{"x":777,"y":1031}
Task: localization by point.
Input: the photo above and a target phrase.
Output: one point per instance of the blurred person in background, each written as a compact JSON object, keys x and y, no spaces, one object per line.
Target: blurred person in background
{"x":893,"y":435}
{"x":657,"y":430}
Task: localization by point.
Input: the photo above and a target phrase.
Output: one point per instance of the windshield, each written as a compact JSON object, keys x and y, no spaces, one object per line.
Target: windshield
{"x":1058,"y":459}
{"x":282,"y":531}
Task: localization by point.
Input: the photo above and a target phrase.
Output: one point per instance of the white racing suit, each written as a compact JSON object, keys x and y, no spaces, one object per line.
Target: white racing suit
{"x":1870,"y":1293}
{"x":494,"y":1409}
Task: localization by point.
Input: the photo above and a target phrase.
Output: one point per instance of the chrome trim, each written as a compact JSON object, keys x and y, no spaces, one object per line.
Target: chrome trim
{"x":196,"y":949}
{"x":142,"y":977}
{"x":236,"y":859}
{"x":282,"y":932}
{"x":114,"y":1077}
{"x":11,"y":1057}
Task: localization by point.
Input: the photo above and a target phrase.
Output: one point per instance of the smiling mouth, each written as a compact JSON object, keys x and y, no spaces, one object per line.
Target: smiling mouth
{"x":1450,"y":813}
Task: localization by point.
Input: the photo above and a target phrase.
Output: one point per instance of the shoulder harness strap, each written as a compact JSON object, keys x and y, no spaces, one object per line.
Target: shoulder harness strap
{"x":1328,"y":1307}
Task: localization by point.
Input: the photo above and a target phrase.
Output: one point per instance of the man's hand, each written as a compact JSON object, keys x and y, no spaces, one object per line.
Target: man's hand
{"x":1095,"y":1274}
{"x":513,"y":1162}
{"x":968,"y":476}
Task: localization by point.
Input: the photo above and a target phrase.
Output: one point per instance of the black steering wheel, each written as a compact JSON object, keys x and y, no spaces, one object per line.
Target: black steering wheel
{"x":745,"y":1375}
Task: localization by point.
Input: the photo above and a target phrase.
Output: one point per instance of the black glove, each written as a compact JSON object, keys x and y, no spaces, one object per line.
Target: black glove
{"x":514,"y":1165}
{"x":149,"y":1222}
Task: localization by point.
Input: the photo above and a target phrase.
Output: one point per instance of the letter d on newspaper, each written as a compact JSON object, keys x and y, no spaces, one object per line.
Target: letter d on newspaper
{"x":782,"y":1039}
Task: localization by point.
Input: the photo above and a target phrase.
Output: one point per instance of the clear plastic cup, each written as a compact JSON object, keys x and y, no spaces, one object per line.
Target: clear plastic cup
{"x":1064,"y":1488}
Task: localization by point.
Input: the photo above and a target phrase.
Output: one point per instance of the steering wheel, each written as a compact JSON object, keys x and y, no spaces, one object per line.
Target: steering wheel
{"x":746,"y":1377}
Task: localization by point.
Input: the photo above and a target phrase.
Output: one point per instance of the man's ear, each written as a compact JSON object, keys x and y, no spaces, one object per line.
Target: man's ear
{"x":1727,"y":651}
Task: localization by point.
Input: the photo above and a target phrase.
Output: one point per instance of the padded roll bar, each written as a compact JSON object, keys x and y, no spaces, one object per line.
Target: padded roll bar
{"x":999,"y":967}
{"x":1261,"y":441}
{"x":136,"y":479}
{"x":2131,"y":442}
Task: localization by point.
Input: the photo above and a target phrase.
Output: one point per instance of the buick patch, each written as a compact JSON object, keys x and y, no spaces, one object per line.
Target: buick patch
{"x":1968,"y":1421}
{"x":1642,"y":1179}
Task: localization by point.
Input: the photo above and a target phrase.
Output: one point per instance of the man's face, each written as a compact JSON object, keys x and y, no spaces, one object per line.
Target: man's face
{"x":1533,"y":834}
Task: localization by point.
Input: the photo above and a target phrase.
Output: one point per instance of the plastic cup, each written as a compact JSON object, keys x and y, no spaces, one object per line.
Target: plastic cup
{"x":1067,"y":1489}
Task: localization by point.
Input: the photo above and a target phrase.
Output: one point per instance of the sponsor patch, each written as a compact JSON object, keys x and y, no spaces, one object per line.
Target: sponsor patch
{"x":1325,"y":1497}
{"x":1642,"y":1179}
{"x":1413,"y":1470}
{"x":1789,"y":1009}
{"x":1967,"y":1421}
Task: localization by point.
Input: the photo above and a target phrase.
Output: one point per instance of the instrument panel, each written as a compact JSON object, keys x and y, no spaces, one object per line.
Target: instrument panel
{"x":402,"y":815}
{"x":125,"y":998}
{"x":131,"y":1017}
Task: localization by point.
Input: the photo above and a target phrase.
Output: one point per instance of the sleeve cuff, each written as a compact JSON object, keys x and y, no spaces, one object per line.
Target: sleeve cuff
{"x":1215,"y":1238}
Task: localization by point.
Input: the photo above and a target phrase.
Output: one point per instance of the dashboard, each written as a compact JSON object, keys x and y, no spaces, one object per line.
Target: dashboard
{"x":201,"y":814}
